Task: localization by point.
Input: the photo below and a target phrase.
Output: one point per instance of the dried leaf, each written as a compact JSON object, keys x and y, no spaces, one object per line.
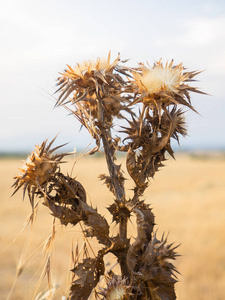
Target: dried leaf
{"x":155,"y":270}
{"x":96,"y":224}
{"x":119,"y":245}
{"x":87,"y":273}
{"x":119,"y":211}
{"x":132,"y":168}
{"x":108,"y":182}
{"x":64,"y":214}
{"x":145,"y":224}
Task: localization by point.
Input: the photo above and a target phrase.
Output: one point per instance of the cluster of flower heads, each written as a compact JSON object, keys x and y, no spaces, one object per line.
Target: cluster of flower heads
{"x":116,"y":87}
{"x":98,"y":91}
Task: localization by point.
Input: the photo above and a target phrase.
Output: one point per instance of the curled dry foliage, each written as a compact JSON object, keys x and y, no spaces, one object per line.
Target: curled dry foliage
{"x":150,"y":100}
{"x":145,"y":223}
{"x":148,"y":259}
{"x":87,"y":275}
{"x":148,"y":145}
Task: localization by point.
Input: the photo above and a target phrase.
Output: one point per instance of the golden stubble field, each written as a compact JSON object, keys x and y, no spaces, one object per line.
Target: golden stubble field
{"x":188,"y":200}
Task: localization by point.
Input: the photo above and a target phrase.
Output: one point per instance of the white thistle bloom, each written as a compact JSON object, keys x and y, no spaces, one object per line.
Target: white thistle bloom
{"x":117,"y":293}
{"x":161,"y":78}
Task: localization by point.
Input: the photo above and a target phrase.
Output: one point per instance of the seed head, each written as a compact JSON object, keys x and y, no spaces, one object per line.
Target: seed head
{"x":91,"y":85}
{"x":161,"y":85}
{"x":85,"y":70}
{"x":116,"y":288}
{"x":40,"y":165}
{"x":160,"y":78}
{"x":85,"y":80}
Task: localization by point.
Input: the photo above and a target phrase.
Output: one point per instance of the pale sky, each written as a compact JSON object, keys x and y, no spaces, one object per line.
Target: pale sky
{"x":38,"y":39}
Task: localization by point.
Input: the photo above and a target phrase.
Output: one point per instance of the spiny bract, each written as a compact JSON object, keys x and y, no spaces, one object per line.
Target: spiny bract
{"x":40,"y":165}
{"x":160,"y":86}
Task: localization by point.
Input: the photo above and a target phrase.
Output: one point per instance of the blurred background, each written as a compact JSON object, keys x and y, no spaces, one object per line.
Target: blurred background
{"x":39,"y":38}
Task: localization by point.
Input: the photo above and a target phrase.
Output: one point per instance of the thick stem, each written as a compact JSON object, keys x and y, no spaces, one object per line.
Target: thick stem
{"x":122,"y":259}
{"x":118,"y":188}
{"x":113,"y":169}
{"x":123,"y":228}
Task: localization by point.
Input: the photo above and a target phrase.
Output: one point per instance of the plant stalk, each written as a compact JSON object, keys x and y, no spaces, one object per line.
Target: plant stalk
{"x":118,"y":189}
{"x":113,"y":169}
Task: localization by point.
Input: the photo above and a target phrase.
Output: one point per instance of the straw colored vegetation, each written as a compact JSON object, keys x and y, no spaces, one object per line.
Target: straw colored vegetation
{"x":187,"y":198}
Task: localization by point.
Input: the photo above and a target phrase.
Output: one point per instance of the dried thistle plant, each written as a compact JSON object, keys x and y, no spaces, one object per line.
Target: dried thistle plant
{"x":97,"y":94}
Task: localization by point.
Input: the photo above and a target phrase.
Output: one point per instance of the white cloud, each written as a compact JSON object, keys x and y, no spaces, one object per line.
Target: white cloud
{"x":204,"y":32}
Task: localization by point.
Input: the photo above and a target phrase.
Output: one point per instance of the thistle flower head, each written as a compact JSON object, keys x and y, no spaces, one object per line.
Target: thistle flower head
{"x":40,"y":165}
{"x":161,"y":85}
{"x":85,"y":79}
{"x":116,"y":288}
{"x":91,"y":87}
{"x":85,"y":69}
{"x":160,"y":78}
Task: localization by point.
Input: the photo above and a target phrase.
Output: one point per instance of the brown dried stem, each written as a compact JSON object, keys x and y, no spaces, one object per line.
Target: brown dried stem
{"x":114,"y":171}
{"x":112,"y":167}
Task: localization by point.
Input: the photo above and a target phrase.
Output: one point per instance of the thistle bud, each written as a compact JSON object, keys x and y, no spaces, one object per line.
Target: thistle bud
{"x":116,"y":288}
{"x":37,"y":170}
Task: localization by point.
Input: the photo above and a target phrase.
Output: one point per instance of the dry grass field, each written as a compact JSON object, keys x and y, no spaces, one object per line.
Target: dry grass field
{"x":187,"y":197}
